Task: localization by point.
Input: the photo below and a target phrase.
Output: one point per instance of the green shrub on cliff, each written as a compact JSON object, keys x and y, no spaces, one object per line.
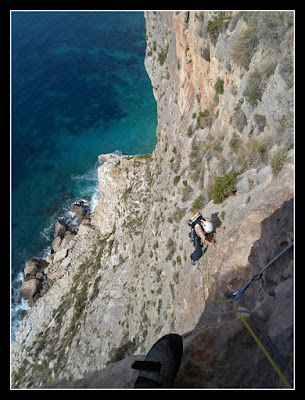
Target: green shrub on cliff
{"x":198,"y":203}
{"x":163,"y":54}
{"x":204,"y":119}
{"x":176,"y":180}
{"x":244,"y":45}
{"x":277,"y":160}
{"x":217,"y":24}
{"x":255,"y":87}
{"x":224,"y":186}
{"x":219,"y":86}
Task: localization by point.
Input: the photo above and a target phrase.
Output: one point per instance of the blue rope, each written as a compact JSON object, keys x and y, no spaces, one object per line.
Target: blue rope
{"x":259,"y":275}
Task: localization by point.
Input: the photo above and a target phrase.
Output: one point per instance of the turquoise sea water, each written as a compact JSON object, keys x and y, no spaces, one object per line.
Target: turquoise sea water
{"x":79,"y":89}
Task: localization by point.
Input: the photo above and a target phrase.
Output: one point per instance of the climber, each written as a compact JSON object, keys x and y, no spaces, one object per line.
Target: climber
{"x":200,"y":228}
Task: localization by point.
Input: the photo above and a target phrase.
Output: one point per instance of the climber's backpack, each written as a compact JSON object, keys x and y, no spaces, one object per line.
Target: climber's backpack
{"x":193,"y":220}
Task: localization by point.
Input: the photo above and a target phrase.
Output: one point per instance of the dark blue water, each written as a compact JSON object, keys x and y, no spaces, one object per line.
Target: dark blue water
{"x":79,"y":89}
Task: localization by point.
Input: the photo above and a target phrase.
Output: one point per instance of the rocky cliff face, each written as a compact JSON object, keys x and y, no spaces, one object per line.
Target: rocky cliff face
{"x":224,"y":90}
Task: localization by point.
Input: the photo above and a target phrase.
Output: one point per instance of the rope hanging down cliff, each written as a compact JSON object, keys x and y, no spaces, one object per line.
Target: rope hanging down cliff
{"x":260,"y":274}
{"x":250,"y":330}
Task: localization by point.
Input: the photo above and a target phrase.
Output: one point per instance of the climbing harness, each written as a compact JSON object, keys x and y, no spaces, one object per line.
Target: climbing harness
{"x":247,"y":326}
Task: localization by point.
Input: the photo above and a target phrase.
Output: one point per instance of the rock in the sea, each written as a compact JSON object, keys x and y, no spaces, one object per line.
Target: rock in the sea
{"x":60,"y":228}
{"x":30,"y":288}
{"x":56,"y":243}
{"x":78,"y":209}
{"x":33,"y":280}
{"x":39,"y":276}
{"x":50,"y":258}
{"x":32,"y":267}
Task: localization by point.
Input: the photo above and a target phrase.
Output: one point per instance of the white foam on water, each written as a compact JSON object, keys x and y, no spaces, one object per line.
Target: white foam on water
{"x":18,"y":305}
{"x":89,"y":195}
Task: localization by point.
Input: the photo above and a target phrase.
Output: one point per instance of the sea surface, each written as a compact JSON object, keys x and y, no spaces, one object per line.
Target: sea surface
{"x":79,"y":88}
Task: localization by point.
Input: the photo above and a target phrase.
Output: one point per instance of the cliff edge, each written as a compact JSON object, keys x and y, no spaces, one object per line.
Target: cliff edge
{"x":223,"y":82}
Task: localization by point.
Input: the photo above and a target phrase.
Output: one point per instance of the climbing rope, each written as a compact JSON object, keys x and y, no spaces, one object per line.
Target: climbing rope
{"x":259,"y":275}
{"x":261,"y":287}
{"x":250,"y":330}
{"x":265,"y":352}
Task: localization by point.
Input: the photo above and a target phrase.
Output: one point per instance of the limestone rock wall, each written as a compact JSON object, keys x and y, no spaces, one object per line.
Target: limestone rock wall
{"x":127,"y":271}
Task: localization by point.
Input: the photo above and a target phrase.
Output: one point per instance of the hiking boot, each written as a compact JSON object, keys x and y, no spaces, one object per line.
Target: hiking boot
{"x":161,"y":363}
{"x":193,"y":262}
